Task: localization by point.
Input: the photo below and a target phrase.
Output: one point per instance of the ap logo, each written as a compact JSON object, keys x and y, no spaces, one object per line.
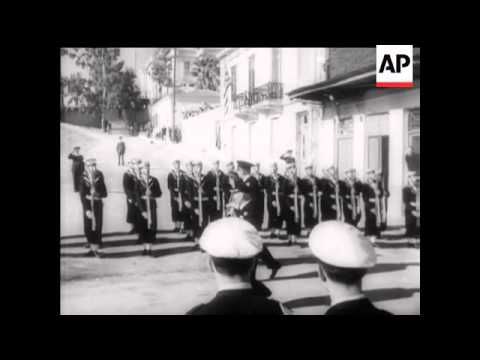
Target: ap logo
{"x":394,"y":65}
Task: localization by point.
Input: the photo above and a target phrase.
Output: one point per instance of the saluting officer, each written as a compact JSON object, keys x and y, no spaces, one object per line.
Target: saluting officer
{"x":371,"y":202}
{"x":312,"y":192}
{"x":129,"y":180}
{"x":92,"y":191}
{"x":330,"y":201}
{"x":411,"y":207}
{"x":343,"y":271}
{"x":77,"y":167}
{"x":275,"y":187}
{"x":350,"y":191}
{"x":176,"y":184}
{"x":217,"y":183}
{"x":199,"y":200}
{"x":260,"y":197}
{"x":293,"y":202}
{"x":147,"y":190}
{"x":232,"y":245}
{"x":233,"y":180}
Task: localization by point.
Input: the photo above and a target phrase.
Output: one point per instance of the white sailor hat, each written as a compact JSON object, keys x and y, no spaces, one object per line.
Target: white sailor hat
{"x":341,"y":245}
{"x":349,"y":170}
{"x":411,"y":174}
{"x":91,"y":161}
{"x":370,"y":171}
{"x":231,"y":238}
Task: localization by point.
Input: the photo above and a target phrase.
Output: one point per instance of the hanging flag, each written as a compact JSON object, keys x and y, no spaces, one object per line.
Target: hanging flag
{"x":227,"y":93}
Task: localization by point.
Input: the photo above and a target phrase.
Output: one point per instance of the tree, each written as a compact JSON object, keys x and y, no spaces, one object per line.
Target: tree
{"x":161,"y":68}
{"x":100,"y":90}
{"x":206,"y":70}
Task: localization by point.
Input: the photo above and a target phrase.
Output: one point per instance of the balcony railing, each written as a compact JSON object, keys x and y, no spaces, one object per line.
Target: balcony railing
{"x":266,"y":92}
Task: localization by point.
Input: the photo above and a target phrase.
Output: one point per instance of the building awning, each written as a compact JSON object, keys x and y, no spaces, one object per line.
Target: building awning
{"x":344,"y":85}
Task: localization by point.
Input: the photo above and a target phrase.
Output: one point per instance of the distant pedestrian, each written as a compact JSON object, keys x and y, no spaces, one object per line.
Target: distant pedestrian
{"x":344,"y":257}
{"x":109,"y":127}
{"x":77,"y":167}
{"x":121,"y":151}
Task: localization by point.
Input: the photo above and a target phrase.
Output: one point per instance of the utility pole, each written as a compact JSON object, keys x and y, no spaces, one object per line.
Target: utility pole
{"x":104,"y":90}
{"x":173,"y":95}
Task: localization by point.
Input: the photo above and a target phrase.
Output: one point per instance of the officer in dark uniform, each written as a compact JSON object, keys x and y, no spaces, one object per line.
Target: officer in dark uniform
{"x":232,"y":245}
{"x":147,"y":189}
{"x":384,"y":195}
{"x":293,"y":202}
{"x":92,"y":191}
{"x":350,"y":191}
{"x":371,"y":204}
{"x":312,"y":192}
{"x":129,"y":180}
{"x":343,"y":271}
{"x":217,"y":182}
{"x":409,"y":195}
{"x":77,"y":167}
{"x":275,"y":187}
{"x":330,"y":199}
{"x":199,"y":200}
{"x":176,"y":184}
{"x":247,"y":209}
{"x":260,"y":197}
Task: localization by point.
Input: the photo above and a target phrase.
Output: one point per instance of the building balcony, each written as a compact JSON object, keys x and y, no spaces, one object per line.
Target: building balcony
{"x":266,"y":98}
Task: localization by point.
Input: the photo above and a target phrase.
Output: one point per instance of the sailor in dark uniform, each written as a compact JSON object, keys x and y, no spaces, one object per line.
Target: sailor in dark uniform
{"x":199,"y":199}
{"x":176,"y":183}
{"x":275,"y":187}
{"x":350,"y":191}
{"x":384,"y":195}
{"x":232,"y":245}
{"x":293,"y":202}
{"x":330,"y":199}
{"x":411,"y":208}
{"x":233,"y":180}
{"x":261,"y":197}
{"x":77,"y":167}
{"x":129,"y":180}
{"x":371,"y":206}
{"x":312,"y":192}
{"x":146,"y":191}
{"x":343,"y":271}
{"x":92,"y":191}
{"x":187,"y":197}
{"x":217,"y":182}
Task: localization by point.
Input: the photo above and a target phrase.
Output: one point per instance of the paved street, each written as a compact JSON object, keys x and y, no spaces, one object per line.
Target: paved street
{"x":177,"y":278}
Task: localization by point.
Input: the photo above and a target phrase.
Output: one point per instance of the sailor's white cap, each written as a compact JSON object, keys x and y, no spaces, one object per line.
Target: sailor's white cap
{"x":231,"y":238}
{"x":341,"y":245}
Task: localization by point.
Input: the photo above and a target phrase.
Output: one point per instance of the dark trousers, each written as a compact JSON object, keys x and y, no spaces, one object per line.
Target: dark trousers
{"x":146,"y":235}
{"x":371,"y":228}
{"x":177,"y":215}
{"x":411,"y":227}
{"x":94,"y":236}
{"x":293,"y":228}
{"x":258,"y":287}
{"x":121,"y":160}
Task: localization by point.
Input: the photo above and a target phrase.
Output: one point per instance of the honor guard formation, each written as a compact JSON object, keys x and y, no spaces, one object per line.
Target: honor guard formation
{"x":222,"y":212}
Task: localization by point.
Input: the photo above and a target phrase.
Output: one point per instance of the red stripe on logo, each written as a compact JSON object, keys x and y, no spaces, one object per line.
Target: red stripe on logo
{"x":395,"y":84}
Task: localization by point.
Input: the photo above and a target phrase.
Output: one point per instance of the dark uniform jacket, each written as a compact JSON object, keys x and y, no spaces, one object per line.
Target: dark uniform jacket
{"x":232,"y":178}
{"x":260,"y":199}
{"x":129,"y":181}
{"x":193,"y":193}
{"x":308,"y":184}
{"x":176,"y":183}
{"x":121,"y":147}
{"x":238,"y":302}
{"x":409,"y":196}
{"x":368,"y":195}
{"x":328,"y":200}
{"x":212,"y":179}
{"x":360,"y":307}
{"x":270,"y":186}
{"x":155,"y":192}
{"x":293,"y":224}
{"x":347,"y":189}
{"x":77,"y":169}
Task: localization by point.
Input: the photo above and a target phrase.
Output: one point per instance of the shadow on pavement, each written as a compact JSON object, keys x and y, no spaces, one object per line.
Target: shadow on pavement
{"x":374,"y":295}
{"x":124,"y":242}
{"x":118,"y":233}
{"x":125,"y":254}
{"x":297,"y":260}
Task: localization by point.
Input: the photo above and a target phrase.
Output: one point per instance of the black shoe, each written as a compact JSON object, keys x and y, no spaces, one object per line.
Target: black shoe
{"x":182,"y":231}
{"x":272,"y":236}
{"x":133,"y":231}
{"x":87,"y":246}
{"x":144,"y":252}
{"x":150,"y":253}
{"x":275,"y":271}
{"x":91,"y":253}
{"x":289,"y":242}
{"x":97,"y":254}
